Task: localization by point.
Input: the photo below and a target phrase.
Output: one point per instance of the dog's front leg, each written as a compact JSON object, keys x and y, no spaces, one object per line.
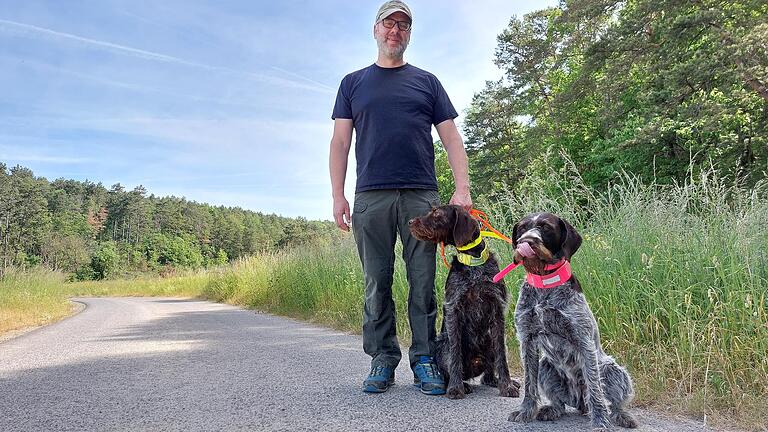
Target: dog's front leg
{"x":507,"y":386}
{"x":594,"y":390}
{"x":455,"y":364}
{"x":529,"y":353}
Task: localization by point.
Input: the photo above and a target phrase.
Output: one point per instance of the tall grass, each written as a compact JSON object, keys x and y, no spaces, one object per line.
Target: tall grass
{"x":676,"y":276}
{"x":184,"y":284}
{"x":323,"y":283}
{"x":31,"y":298}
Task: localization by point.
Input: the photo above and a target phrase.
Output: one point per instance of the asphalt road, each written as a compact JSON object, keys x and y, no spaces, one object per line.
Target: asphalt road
{"x":163,"y":364}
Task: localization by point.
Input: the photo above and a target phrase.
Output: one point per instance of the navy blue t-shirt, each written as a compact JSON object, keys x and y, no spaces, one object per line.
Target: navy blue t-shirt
{"x":392,"y":111}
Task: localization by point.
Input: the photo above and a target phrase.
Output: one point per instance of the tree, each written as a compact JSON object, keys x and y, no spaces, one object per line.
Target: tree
{"x":650,"y":87}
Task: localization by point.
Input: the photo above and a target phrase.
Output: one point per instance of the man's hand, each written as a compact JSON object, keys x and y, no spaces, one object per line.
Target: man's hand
{"x":462,"y":198}
{"x":341,"y":213}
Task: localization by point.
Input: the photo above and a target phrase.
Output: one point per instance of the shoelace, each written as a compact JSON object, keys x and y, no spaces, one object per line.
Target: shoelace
{"x":377,"y":371}
{"x":430,"y":370}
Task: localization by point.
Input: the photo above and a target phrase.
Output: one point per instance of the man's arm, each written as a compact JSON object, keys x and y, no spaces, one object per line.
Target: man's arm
{"x":457,"y":159}
{"x":340,"y":144}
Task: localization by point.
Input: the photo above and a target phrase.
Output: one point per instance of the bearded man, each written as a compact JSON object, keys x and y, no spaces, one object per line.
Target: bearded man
{"x":392,"y":106}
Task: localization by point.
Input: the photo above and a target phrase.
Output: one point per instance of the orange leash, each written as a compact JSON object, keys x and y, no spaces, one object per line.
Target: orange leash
{"x":483,"y":218}
{"x":442,"y":254}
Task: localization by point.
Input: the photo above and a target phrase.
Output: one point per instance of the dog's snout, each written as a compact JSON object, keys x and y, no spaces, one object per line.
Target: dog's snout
{"x":532,"y":234}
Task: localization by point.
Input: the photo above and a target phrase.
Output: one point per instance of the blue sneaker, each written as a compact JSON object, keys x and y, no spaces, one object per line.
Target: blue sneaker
{"x":427,"y":377}
{"x":379,"y":380}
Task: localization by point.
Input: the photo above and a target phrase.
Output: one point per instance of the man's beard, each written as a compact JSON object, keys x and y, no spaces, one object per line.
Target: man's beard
{"x":395,"y":53}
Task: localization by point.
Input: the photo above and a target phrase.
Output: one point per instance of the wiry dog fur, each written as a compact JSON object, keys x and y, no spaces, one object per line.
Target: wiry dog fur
{"x":471,"y":341}
{"x":559,"y":340}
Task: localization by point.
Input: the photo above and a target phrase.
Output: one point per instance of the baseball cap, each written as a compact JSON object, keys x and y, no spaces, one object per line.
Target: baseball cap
{"x":390,"y":7}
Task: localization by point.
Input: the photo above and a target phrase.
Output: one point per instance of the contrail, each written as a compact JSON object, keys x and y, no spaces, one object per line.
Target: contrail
{"x":108,"y":45}
{"x":303,"y":78}
{"x":28,"y":28}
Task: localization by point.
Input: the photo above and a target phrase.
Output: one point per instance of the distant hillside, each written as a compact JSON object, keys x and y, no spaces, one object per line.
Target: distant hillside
{"x":95,"y":232}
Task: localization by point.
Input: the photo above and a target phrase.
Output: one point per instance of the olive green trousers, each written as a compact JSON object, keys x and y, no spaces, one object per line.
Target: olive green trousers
{"x":378,"y":216}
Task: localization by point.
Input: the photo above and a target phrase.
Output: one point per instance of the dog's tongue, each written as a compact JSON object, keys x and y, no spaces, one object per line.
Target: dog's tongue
{"x":525,"y":250}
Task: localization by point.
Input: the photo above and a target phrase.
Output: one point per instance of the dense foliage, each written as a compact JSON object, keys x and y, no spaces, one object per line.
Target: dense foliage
{"x":95,"y":232}
{"x":655,"y":88}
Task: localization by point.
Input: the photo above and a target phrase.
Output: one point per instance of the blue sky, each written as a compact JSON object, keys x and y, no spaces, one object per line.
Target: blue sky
{"x":224,"y":102}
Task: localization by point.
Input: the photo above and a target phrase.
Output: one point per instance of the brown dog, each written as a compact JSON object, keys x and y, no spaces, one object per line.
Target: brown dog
{"x":471,"y":341}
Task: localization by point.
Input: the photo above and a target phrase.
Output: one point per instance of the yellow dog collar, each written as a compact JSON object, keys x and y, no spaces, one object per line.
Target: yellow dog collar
{"x":477,"y":241}
{"x":473,"y":261}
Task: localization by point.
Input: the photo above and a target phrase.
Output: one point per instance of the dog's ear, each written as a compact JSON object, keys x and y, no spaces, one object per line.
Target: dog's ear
{"x":514,"y":235}
{"x":465,"y":229}
{"x":571,"y":240}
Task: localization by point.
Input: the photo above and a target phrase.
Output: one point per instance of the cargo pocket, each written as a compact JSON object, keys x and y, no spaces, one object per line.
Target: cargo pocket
{"x":358,"y":213}
{"x":359,"y":207}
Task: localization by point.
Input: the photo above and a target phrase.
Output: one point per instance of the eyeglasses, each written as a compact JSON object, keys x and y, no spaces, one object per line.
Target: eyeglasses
{"x":402,"y":25}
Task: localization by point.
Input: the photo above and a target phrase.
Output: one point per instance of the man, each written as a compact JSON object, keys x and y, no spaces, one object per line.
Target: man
{"x":392,"y":106}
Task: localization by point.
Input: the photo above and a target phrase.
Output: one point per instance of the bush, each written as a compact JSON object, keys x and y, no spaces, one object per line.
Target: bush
{"x":104,"y":260}
{"x":177,"y":251}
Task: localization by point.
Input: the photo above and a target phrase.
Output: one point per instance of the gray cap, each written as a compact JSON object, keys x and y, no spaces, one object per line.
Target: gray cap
{"x":390,"y":7}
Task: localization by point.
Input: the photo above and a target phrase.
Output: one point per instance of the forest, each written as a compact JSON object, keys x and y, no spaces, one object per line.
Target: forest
{"x":91,"y":232}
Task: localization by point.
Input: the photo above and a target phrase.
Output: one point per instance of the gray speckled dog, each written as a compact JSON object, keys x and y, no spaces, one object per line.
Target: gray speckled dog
{"x":559,"y":340}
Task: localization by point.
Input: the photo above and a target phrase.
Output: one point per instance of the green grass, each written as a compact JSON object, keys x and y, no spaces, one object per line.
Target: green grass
{"x":185,"y":284}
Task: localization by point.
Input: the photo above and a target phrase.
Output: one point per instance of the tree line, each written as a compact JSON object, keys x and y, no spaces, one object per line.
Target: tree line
{"x":657,"y":88}
{"x":92,"y":232}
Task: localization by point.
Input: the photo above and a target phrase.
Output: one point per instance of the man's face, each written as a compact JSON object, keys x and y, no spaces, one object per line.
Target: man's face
{"x":392,"y":42}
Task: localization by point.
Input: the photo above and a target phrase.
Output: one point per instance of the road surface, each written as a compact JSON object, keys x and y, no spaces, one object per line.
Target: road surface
{"x":164,"y":364}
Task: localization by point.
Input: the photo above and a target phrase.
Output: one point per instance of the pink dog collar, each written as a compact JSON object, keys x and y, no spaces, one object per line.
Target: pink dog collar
{"x":561,"y":275}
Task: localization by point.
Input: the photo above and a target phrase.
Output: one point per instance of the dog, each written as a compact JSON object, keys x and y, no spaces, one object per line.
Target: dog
{"x":559,"y":339}
{"x":471,"y":340}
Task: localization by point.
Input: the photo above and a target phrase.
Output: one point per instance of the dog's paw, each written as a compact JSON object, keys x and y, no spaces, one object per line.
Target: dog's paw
{"x":601,"y":425}
{"x":522,"y":415}
{"x":456,"y":392}
{"x":549,"y":413}
{"x":467,"y":388}
{"x":624,"y":419}
{"x":508,"y":389}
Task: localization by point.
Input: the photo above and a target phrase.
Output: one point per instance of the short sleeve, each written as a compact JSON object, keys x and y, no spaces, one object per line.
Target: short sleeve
{"x":343,"y":106}
{"x":443,"y":109}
